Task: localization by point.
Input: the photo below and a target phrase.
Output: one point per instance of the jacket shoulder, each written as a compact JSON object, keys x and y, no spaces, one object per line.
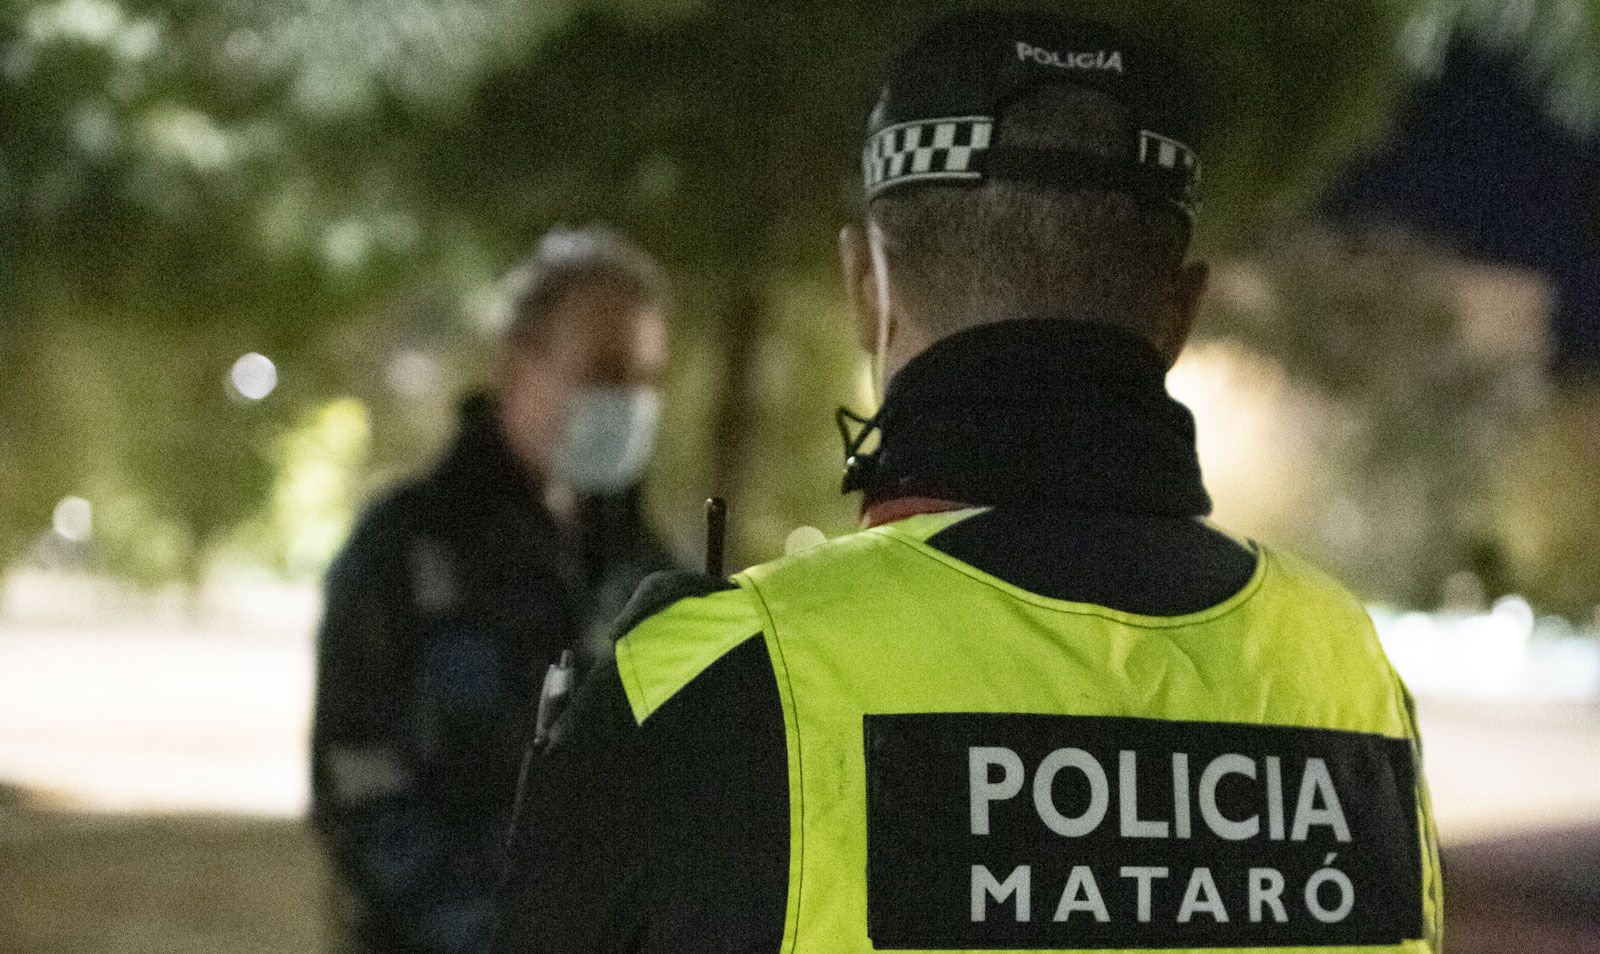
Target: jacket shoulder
{"x":390,"y":514}
{"x":668,"y":649}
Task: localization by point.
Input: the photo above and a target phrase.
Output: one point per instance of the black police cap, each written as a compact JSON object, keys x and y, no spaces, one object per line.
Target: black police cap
{"x":936,"y":118}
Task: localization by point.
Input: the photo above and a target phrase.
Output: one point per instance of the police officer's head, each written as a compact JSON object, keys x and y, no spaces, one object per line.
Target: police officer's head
{"x":1025,"y":166}
{"x":579,"y":368}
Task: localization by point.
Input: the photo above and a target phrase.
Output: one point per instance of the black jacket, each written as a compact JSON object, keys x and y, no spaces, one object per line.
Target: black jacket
{"x":673,"y":836}
{"x":453,"y":595}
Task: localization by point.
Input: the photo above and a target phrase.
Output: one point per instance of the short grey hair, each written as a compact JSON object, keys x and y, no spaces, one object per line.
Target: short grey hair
{"x":969,"y":255}
{"x":567,"y":260}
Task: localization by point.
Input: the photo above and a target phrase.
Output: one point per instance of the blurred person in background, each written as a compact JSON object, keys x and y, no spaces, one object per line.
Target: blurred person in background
{"x":1040,"y":703}
{"x":457,"y":591}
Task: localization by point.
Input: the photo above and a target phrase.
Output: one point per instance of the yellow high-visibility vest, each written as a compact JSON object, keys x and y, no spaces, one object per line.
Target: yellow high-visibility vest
{"x":975,"y":767}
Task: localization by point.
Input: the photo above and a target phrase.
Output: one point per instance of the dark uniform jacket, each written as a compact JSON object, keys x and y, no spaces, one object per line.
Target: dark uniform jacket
{"x":453,"y":595}
{"x":672,"y":836}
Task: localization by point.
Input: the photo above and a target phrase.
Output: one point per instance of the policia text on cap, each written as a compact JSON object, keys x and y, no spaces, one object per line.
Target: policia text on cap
{"x":1039,"y":703}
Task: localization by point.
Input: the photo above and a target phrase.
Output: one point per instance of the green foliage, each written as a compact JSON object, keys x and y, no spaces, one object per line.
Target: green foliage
{"x":313,"y":493}
{"x":1550,"y":513}
{"x":1559,"y":41}
{"x":338,"y":185}
{"x":183,"y":184}
{"x":118,"y":415}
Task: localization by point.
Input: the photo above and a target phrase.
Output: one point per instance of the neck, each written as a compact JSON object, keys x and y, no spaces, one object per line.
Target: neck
{"x":1028,"y":413}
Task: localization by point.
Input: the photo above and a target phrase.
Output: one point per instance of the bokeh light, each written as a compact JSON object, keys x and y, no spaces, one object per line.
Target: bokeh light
{"x":73,"y":519}
{"x":413,"y":374}
{"x":801,"y":539}
{"x":253,"y":377}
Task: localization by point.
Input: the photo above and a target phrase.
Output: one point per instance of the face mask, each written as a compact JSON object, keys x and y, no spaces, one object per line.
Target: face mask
{"x":608,"y":438}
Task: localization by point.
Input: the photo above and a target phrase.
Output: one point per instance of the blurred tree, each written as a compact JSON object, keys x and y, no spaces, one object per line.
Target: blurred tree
{"x":337,"y":185}
{"x":1418,"y":412}
{"x":184,"y":184}
{"x":1557,"y":41}
{"x":1550,"y":510}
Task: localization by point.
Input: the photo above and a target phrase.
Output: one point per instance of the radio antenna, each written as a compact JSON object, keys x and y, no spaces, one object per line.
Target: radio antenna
{"x":716,"y":535}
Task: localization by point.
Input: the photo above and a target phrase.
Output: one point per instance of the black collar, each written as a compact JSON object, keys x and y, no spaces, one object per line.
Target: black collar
{"x":1027,"y":413}
{"x":480,"y":455}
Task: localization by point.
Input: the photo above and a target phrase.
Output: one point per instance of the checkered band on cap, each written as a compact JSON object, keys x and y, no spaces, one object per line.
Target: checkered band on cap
{"x":925,"y":150}
{"x":954,"y":149}
{"x":1163,"y":152}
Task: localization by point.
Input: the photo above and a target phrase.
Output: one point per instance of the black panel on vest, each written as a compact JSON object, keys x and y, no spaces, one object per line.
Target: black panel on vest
{"x":1020,"y":832}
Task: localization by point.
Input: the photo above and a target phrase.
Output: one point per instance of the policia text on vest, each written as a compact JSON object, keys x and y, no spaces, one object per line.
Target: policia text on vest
{"x":1038,"y":831}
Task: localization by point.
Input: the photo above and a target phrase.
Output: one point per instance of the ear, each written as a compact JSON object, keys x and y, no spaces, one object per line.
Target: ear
{"x":1189,"y":292}
{"x":855,"y":259}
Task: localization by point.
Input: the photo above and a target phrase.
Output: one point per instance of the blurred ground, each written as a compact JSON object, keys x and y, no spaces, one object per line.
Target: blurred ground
{"x":116,"y":884}
{"x":157,"y":778}
{"x":148,"y":718}
{"x":151,"y":783}
{"x":1535,"y":893}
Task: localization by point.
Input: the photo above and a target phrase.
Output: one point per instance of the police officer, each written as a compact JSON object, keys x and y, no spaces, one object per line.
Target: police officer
{"x":458,"y":590}
{"x":1039,"y":703}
